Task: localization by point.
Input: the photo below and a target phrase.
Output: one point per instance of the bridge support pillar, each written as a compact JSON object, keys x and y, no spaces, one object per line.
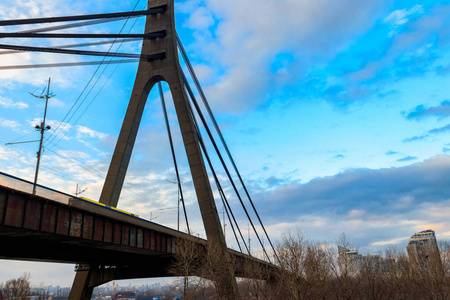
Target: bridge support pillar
{"x":81,"y":288}
{"x":89,"y":277}
{"x":148,"y":74}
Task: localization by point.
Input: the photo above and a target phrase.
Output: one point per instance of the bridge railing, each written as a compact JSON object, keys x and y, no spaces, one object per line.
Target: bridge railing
{"x":25,"y":186}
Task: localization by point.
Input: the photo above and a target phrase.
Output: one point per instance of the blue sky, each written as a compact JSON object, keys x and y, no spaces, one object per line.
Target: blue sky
{"x":337,"y":114}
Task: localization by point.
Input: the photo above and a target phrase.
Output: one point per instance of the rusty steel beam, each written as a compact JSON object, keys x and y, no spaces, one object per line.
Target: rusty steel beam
{"x":69,"y":229}
{"x":80,"y":232}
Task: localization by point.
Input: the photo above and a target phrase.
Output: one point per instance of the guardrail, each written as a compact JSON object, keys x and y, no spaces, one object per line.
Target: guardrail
{"x":25,"y":186}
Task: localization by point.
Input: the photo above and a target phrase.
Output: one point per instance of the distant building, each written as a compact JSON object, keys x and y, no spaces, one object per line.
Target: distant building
{"x":125,"y":295}
{"x":352,"y":263}
{"x":423,"y":250}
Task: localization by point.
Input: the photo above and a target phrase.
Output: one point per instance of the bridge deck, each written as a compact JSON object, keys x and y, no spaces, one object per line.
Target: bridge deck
{"x":53,"y":226}
{"x":56,"y":227}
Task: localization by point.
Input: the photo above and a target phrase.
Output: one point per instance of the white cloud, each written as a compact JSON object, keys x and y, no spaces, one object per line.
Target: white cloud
{"x":356,"y":213}
{"x":14,"y":125}
{"x":67,"y":77}
{"x":411,"y":43}
{"x":400,"y":17}
{"x":390,"y":242}
{"x":84,"y":131}
{"x":201,"y":18}
{"x":250,"y":38}
{"x":54,"y":102}
{"x":8,"y":103}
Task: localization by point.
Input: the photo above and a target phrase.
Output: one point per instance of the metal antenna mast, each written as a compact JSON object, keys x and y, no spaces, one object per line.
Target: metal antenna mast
{"x":42,"y":128}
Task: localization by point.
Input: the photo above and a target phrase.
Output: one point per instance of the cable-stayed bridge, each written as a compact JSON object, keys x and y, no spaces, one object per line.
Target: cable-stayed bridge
{"x":108,"y":244}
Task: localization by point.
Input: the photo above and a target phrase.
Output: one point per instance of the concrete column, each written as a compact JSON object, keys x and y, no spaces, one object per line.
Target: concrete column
{"x":80,"y":287}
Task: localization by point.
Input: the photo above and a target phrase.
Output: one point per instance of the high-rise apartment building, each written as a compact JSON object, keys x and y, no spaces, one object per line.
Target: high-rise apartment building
{"x":353,"y":263}
{"x":423,"y":249}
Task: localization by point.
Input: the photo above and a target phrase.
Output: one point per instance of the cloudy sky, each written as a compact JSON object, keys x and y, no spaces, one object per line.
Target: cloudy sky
{"x":336,"y":113}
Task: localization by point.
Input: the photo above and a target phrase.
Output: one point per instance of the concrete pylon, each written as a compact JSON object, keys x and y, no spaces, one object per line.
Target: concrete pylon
{"x":149,"y":73}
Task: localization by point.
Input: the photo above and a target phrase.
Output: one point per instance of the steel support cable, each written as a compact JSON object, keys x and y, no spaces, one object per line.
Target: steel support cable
{"x":180,"y":190}
{"x":32,"y":35}
{"x":150,"y":11}
{"x":74,"y":64}
{"x":86,"y":86}
{"x":67,"y":26}
{"x":104,"y":83}
{"x":152,"y":56}
{"x":191,"y":94}
{"x":224,"y":166}
{"x":225,"y":202}
{"x":223,"y":197}
{"x":205,"y":152}
{"x":213,"y":119}
{"x":73,"y":25}
{"x":98,"y":92}
{"x":227,"y":208}
{"x":79,"y":24}
{"x":80,"y":45}
{"x":222,"y":194}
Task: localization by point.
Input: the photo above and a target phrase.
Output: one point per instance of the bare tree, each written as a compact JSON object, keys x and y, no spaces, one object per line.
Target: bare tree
{"x":17,"y":289}
{"x":397,"y":274}
{"x":311,"y":270}
{"x":188,"y":262}
{"x":430,"y":270}
{"x":345,"y":274}
{"x":305,"y":272}
{"x":373,"y":282}
{"x":255,"y":283}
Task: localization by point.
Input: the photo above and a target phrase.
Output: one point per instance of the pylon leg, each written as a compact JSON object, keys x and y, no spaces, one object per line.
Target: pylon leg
{"x":148,"y":74}
{"x":80,"y":287}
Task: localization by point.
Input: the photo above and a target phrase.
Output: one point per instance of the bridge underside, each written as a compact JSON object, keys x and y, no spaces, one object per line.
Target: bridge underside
{"x":38,"y":229}
{"x":115,"y":245}
{"x":23,"y":244}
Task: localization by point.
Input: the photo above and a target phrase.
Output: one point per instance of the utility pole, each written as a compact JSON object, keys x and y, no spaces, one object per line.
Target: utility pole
{"x":224,"y":224}
{"x":79,"y":191}
{"x":178,"y":215}
{"x":249,"y":240}
{"x":180,"y":192}
{"x":42,"y":128}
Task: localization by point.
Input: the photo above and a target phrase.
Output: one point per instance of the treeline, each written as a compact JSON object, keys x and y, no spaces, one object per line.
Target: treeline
{"x":309,"y":270}
{"x":20,"y":289}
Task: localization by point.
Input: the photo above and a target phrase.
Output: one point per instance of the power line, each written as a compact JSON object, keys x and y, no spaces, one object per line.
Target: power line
{"x":86,"y":86}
